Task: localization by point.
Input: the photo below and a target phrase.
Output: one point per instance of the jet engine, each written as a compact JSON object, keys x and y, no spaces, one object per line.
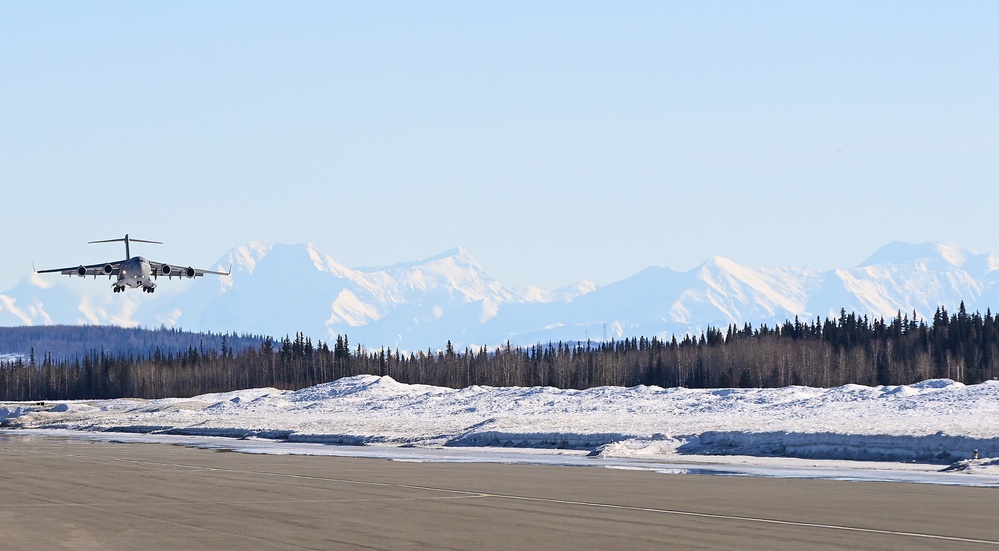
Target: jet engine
{"x":107,"y":269}
{"x":81,"y":271}
{"x":166,"y":270}
{"x":189,"y":272}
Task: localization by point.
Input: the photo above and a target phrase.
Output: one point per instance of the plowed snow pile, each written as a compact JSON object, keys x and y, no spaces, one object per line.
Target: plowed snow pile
{"x":937,"y":421}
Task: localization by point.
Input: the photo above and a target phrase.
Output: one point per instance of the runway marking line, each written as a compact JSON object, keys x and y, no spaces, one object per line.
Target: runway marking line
{"x":473,"y":494}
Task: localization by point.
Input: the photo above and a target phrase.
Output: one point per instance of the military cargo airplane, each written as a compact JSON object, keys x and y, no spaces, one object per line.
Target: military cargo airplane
{"x":134,"y":271}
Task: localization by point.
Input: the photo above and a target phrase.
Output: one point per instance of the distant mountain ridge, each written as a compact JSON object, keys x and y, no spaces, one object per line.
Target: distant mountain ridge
{"x":62,"y":342}
{"x":278,"y":289}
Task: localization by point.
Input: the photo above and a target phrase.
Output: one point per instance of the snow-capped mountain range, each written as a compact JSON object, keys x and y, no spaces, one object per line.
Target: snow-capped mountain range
{"x":278,"y":290}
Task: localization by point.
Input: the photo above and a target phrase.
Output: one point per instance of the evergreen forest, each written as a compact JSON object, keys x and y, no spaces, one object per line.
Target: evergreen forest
{"x":823,"y":353}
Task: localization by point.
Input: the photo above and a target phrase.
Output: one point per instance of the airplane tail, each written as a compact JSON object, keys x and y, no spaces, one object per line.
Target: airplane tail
{"x":126,"y":239}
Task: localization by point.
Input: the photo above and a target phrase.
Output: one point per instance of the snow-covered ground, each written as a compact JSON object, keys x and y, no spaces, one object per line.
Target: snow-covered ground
{"x":926,"y":432}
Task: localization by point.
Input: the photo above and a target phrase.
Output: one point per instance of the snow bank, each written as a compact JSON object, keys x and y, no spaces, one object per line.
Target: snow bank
{"x":937,"y":448}
{"x":937,"y":421}
{"x":12,"y":412}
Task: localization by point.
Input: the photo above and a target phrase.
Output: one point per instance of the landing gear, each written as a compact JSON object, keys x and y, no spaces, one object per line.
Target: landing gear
{"x":149,"y":289}
{"x":118,"y":288}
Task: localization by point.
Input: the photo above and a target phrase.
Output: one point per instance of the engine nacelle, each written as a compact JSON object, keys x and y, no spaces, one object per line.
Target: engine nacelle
{"x":107,"y":269}
{"x":81,"y":271}
{"x":189,"y":272}
{"x":166,"y":270}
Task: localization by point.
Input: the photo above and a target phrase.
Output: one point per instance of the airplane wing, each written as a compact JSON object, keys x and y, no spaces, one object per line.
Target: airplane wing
{"x":107,"y":268}
{"x":171,"y":270}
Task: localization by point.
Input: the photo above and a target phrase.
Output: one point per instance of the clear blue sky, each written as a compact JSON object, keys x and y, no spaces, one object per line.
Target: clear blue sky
{"x":555,"y":141}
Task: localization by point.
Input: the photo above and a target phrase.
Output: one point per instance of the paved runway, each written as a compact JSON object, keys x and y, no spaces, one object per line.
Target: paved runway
{"x":73,"y":494}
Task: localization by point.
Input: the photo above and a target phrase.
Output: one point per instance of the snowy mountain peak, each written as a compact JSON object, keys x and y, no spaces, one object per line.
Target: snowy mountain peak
{"x":324,"y":263}
{"x":456,"y":256}
{"x":244,"y":258}
{"x":458,"y":253}
{"x":720,"y":264}
{"x":456,"y":259}
{"x":255,"y":255}
{"x":569,"y":293}
{"x":933,"y":256}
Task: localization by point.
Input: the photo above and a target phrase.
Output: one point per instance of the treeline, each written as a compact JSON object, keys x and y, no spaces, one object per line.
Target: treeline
{"x":822,"y":353}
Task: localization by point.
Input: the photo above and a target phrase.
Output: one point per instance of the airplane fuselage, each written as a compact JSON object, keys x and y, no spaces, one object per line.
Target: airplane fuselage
{"x":135,"y":272}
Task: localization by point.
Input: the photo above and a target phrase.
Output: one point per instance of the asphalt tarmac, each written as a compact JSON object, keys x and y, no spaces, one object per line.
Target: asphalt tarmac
{"x":74,"y":494}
